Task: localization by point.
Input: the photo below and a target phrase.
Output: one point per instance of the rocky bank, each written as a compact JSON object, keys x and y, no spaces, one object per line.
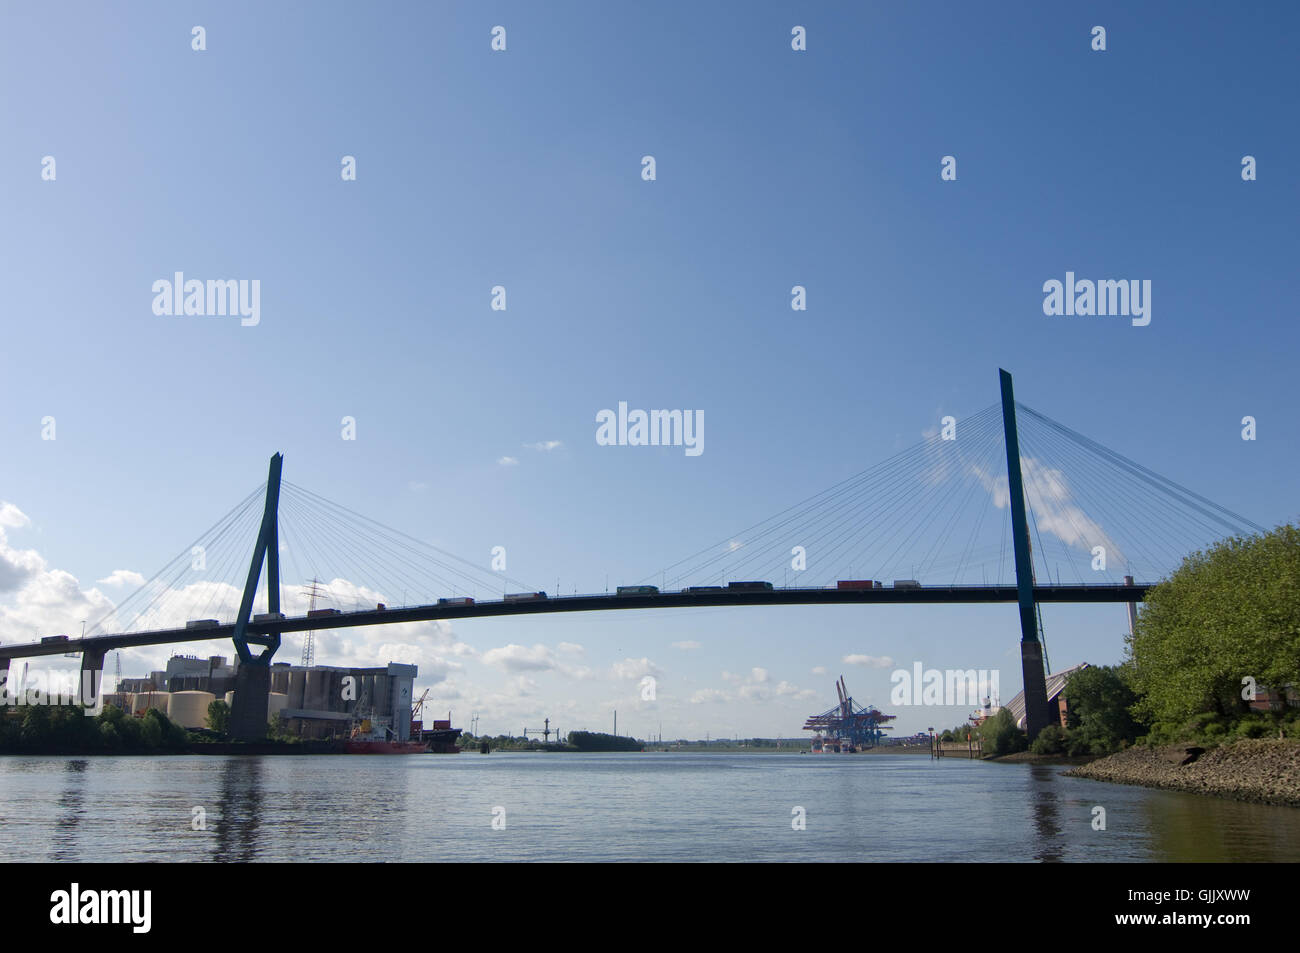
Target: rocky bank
{"x":1266,"y":771}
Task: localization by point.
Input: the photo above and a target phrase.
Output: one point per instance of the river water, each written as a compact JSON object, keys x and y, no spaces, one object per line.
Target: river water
{"x":609,"y":807}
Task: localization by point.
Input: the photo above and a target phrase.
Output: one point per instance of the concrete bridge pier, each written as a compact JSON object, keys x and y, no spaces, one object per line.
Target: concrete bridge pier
{"x":92,"y":676}
{"x":252,"y":696}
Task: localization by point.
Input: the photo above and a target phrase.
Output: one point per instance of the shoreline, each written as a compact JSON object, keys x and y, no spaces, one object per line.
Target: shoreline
{"x":1260,"y":771}
{"x":1028,"y":757}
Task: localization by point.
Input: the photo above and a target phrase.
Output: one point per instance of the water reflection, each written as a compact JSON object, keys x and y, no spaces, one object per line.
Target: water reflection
{"x":71,"y":810}
{"x":1044,"y":797}
{"x":239,"y":809}
{"x":1195,"y":827}
{"x":600,"y":807}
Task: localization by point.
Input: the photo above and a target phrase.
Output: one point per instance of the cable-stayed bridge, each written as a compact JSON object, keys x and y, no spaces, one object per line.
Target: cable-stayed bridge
{"x":1006,"y":505}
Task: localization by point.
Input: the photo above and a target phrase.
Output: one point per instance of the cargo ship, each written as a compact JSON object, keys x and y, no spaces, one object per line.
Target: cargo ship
{"x":440,"y":739}
{"x":372,"y":737}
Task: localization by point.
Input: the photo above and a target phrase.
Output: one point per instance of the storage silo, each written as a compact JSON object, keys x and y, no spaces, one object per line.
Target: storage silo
{"x":316,"y":695}
{"x":280,"y":675}
{"x":276,"y":702}
{"x":297,"y":688}
{"x":117,"y":700}
{"x":143,"y":701}
{"x":190,"y":709}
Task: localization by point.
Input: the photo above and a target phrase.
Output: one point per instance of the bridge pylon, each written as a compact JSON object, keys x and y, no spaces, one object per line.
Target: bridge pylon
{"x":253,"y":680}
{"x":1037,"y":715}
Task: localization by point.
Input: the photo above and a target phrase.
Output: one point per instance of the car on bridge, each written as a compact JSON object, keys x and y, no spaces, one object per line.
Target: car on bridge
{"x":700,"y":590}
{"x":906,"y":584}
{"x":320,"y":613}
{"x":269,"y":617}
{"x":53,"y":638}
{"x":202,"y":624}
{"x":858,"y":584}
{"x":749,"y":587}
{"x":524,"y":596}
{"x":638,"y":590}
{"x":459,"y":601}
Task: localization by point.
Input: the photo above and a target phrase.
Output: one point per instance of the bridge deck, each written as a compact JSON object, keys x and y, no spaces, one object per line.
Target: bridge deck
{"x":592,"y":603}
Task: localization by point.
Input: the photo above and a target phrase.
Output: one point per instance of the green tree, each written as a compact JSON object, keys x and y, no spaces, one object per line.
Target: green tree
{"x":277,"y":729}
{"x":1225,"y":614}
{"x":219,"y":717}
{"x":1099,"y":703}
{"x":1000,"y":734}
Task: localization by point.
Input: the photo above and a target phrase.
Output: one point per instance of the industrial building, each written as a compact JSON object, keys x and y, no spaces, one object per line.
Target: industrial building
{"x":186,"y":673}
{"x":1056,"y":707}
{"x":320,"y":701}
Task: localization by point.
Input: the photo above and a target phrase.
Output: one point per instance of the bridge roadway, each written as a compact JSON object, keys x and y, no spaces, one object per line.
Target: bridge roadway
{"x":97,"y":645}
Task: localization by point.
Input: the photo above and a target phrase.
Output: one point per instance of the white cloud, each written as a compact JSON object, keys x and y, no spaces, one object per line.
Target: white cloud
{"x":570,"y":648}
{"x":756,"y":686}
{"x":546,"y":446}
{"x":687,"y":645}
{"x":11,"y":517}
{"x":1047,"y":494}
{"x":819,"y":670}
{"x":17,"y":566}
{"x":521,"y":686}
{"x":705,"y":695}
{"x":517,"y":658}
{"x":870,"y":661}
{"x":508,"y":461}
{"x":636,"y":668}
{"x":49,"y":602}
{"x":122,"y":577}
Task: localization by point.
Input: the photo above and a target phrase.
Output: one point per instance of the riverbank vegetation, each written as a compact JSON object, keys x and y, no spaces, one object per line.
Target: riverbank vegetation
{"x":54,"y":729}
{"x":1214,"y":659}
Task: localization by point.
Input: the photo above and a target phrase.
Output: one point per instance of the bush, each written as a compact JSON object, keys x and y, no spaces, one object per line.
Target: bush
{"x":1255,"y":726}
{"x":1077,"y":745}
{"x":1001,"y":736}
{"x":1051,"y":740}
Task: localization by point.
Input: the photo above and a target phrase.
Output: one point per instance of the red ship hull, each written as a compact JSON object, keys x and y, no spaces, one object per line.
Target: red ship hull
{"x":385,"y":747}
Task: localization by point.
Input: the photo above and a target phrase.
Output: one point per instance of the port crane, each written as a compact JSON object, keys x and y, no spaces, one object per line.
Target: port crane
{"x":544,"y":732}
{"x":848,"y":726}
{"x":419,"y":705}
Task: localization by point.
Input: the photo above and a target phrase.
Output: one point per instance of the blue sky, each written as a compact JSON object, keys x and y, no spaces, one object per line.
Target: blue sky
{"x":522,"y":168}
